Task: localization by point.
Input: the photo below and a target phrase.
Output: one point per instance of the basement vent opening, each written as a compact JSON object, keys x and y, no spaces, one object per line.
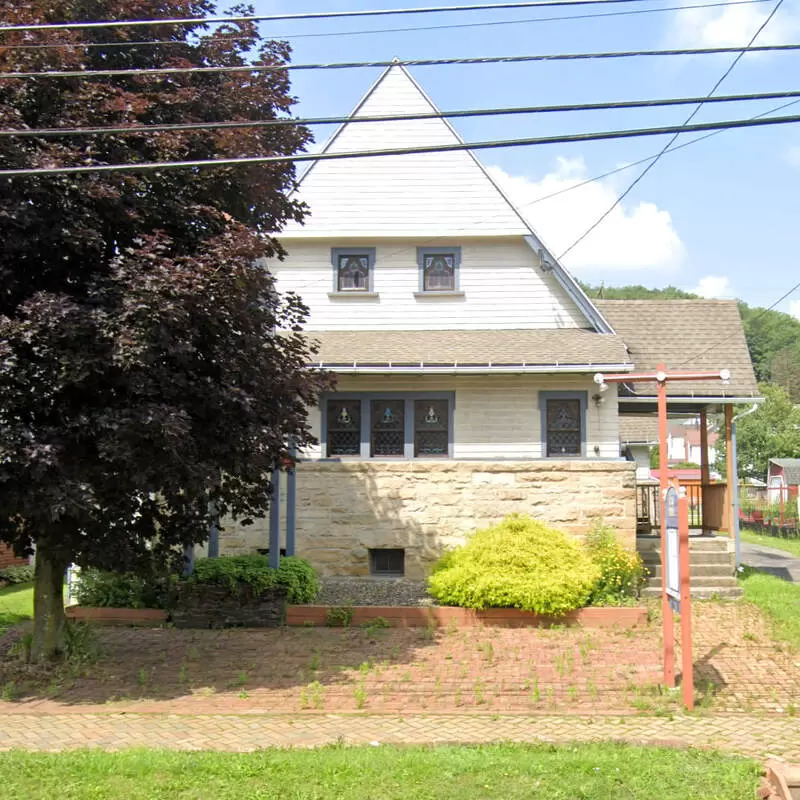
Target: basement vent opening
{"x":387,"y":561}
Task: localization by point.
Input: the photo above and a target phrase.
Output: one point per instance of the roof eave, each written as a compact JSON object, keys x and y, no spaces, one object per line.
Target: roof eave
{"x":468,"y":369}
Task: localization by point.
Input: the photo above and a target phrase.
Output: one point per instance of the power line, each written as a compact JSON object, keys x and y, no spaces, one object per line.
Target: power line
{"x":478,"y":112}
{"x":484,"y":219}
{"x":418,"y":28}
{"x":136,"y":23}
{"x":691,"y":116}
{"x":418,"y":62}
{"x":624,"y":167}
{"x":755,"y":319}
{"x":443,"y":148}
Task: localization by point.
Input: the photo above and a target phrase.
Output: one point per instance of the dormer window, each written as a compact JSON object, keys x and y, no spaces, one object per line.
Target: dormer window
{"x":353,"y":270}
{"x":438,"y":269}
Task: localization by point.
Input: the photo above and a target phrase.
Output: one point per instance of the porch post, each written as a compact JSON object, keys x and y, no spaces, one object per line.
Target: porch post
{"x":291,"y":501}
{"x":666,"y":608}
{"x":275,"y":521}
{"x":705,"y":471}
{"x":730,"y":496}
{"x":213,"y":531}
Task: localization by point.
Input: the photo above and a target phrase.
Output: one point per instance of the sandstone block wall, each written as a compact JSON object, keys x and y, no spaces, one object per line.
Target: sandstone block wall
{"x":346,"y":508}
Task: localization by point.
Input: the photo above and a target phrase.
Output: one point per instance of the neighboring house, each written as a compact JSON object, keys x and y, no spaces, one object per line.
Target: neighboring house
{"x":683,"y":442}
{"x":783,"y":479}
{"x":638,"y":434}
{"x":464,"y":355}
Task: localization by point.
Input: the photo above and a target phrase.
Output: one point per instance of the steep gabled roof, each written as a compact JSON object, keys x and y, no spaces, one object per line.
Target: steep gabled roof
{"x":435,"y":196}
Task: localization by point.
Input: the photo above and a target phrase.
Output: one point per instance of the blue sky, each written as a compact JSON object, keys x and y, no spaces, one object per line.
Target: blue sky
{"x":720,"y":216}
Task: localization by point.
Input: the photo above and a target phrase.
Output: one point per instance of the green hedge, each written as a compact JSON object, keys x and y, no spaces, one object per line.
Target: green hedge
{"x":296,"y":575}
{"x":101,"y":589}
{"x":126,"y":590}
{"x":20,"y":574}
{"x":520,"y":563}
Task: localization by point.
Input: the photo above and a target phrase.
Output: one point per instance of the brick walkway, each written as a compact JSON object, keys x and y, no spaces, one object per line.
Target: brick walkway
{"x":754,"y":736}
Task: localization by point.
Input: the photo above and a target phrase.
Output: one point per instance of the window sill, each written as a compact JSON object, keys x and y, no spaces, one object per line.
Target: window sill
{"x":353,"y":295}
{"x":424,"y":295}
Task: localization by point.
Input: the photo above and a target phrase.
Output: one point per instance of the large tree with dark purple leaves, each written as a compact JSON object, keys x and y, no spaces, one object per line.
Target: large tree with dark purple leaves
{"x":141,"y":376}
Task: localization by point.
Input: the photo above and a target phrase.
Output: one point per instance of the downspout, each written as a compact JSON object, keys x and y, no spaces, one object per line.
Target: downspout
{"x":735,"y":479}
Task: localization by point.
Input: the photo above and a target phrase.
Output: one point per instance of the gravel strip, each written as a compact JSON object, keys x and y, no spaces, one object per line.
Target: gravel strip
{"x":372,"y":592}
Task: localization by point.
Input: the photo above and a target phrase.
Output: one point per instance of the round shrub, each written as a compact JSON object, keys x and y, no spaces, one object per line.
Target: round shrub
{"x":520,"y":563}
{"x":622,"y":572}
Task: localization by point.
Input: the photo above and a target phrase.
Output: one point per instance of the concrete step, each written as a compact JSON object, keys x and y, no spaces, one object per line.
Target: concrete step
{"x":697,"y":570}
{"x":699,"y":558}
{"x":720,"y":543}
{"x":701,"y":580}
{"x":702,"y":592}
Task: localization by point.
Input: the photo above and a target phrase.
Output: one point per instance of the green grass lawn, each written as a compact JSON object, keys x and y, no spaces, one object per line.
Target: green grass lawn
{"x":789,"y":545}
{"x":16,"y":604}
{"x":778,"y":599}
{"x":389,"y":773}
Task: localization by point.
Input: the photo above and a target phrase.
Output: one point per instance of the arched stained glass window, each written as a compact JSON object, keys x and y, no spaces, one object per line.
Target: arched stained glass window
{"x":439,"y":272}
{"x":353,"y":273}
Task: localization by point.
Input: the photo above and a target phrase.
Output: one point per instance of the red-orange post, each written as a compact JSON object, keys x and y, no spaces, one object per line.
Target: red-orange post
{"x":666,"y":608}
{"x":661,"y":376}
{"x":687,"y":672}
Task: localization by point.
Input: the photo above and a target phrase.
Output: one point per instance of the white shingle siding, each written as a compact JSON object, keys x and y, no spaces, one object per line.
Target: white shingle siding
{"x":502,"y":283}
{"x":429,"y":194}
{"x":499,"y":417}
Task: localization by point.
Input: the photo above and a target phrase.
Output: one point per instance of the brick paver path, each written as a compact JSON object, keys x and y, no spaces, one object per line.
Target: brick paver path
{"x":760,"y":737}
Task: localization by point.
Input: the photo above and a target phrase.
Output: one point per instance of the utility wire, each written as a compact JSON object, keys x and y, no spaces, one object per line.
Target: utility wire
{"x":418,"y":62}
{"x":418,"y":28}
{"x":131,"y":23}
{"x":757,"y":317}
{"x":644,"y":160}
{"x":640,"y":176}
{"x":484,"y":219}
{"x":478,"y":112}
{"x":442,"y":148}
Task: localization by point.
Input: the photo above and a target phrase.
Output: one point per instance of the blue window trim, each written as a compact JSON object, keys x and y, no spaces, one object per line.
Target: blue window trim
{"x":583,"y":397}
{"x":422,"y":252}
{"x":370,"y":252}
{"x":366,"y":398}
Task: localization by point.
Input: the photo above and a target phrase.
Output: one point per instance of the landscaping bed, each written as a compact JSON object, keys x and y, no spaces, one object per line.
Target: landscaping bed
{"x":448,"y":616}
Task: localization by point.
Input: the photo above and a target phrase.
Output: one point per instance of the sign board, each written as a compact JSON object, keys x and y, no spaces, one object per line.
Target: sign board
{"x":672,"y":566}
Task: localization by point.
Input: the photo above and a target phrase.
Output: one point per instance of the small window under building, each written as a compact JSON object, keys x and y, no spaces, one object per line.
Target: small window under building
{"x":387,"y":561}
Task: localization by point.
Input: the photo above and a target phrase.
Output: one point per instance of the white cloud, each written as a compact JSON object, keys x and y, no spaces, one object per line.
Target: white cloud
{"x":794,"y":308}
{"x":731,"y":26}
{"x":714,"y":286}
{"x":633,"y":237}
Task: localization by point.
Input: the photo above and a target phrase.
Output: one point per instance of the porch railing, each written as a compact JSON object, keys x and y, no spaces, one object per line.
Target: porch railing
{"x":648,"y":506}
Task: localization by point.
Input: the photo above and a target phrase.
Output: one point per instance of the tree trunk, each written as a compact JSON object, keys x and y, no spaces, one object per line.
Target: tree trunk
{"x":49,"y":620}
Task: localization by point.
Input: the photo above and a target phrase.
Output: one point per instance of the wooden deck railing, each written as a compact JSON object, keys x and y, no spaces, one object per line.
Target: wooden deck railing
{"x":648,"y":519}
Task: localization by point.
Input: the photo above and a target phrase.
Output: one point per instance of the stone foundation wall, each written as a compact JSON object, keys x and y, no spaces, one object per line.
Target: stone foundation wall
{"x":346,"y":508}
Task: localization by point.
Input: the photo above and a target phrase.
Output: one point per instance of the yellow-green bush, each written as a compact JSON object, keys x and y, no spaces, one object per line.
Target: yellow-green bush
{"x":520,"y":563}
{"x":622,"y":572}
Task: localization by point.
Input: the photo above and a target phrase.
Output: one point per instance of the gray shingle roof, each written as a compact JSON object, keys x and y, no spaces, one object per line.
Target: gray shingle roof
{"x":791,"y":469}
{"x":638,"y":429}
{"x":686,"y":335}
{"x":568,"y":346}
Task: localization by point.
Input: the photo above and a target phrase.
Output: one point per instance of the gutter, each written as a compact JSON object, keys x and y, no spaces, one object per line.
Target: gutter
{"x":690,"y":400}
{"x":469,"y":369}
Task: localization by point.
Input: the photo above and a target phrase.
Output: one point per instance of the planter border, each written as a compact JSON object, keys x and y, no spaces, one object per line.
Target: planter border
{"x":149,"y":617}
{"x":622,"y":617}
